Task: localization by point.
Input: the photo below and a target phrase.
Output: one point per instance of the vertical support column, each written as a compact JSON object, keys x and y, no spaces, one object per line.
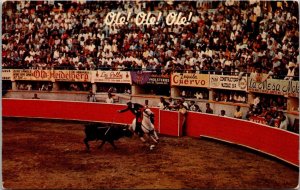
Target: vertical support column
{"x":55,"y":86}
{"x":175,"y":92}
{"x":292,"y":104}
{"x":14,"y":85}
{"x":94,"y":87}
{"x":133,"y":90}
{"x":136,"y":90}
{"x":250,"y":98}
{"x":210,"y":94}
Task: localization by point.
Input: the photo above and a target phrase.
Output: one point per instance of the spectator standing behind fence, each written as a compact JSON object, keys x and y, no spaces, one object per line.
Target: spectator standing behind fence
{"x":250,"y":112}
{"x":208,"y":109}
{"x":109,"y":99}
{"x":274,"y":112}
{"x":186,"y":105}
{"x":29,"y":87}
{"x":146,"y":104}
{"x":238,"y":113}
{"x":263,"y":112}
{"x":171,"y":103}
{"x":223,"y":113}
{"x":194,"y":107}
{"x":91,"y":97}
{"x":35,"y":96}
{"x":284,"y":122}
{"x":269,"y":120}
{"x":163,"y":104}
{"x":256,"y":101}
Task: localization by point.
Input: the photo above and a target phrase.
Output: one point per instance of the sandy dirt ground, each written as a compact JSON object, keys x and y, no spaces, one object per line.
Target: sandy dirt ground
{"x":43,"y":154}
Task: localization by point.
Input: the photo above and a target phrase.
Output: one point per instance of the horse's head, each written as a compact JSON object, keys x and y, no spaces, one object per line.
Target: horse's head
{"x":148,"y":112}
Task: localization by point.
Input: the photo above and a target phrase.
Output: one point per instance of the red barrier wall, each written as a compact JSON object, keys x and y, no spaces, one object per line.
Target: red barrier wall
{"x":66,"y":110}
{"x":83,"y":111}
{"x":156,"y":118}
{"x":273,"y":141}
{"x":169,"y":123}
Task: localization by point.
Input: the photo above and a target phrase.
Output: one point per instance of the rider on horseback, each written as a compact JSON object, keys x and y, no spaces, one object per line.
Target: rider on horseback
{"x":137,"y":110}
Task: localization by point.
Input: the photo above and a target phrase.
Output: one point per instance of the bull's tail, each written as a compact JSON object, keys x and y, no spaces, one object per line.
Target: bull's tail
{"x":86,"y":142}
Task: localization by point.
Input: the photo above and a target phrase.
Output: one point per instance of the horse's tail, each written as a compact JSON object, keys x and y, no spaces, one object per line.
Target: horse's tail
{"x":151,"y":117}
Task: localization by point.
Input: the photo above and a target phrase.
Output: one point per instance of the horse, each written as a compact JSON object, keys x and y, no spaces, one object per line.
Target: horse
{"x":147,"y":127}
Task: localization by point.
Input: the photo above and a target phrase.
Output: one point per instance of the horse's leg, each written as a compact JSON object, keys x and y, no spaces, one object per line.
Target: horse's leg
{"x":153,"y":139}
{"x":141,"y":135}
{"x":142,"y":139}
{"x":103,"y":142}
{"x":112,"y":143}
{"x":86,"y":142}
{"x":155,"y":135}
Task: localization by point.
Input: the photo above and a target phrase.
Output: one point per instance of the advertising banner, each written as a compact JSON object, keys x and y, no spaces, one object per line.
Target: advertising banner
{"x":147,"y":77}
{"x":293,"y":88}
{"x":159,"y":79}
{"x":111,"y":77}
{"x":274,"y":86}
{"x":26,"y":74}
{"x":190,"y":79}
{"x":52,"y":75}
{"x":6,"y":74}
{"x":140,"y":77}
{"x":71,"y":75}
{"x":262,"y":120}
{"x":228,"y":82}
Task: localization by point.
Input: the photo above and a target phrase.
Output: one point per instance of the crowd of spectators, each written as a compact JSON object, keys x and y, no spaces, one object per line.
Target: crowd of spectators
{"x":74,"y":86}
{"x":269,"y":101}
{"x":198,"y":93}
{"x":234,"y":37}
{"x":174,"y":105}
{"x":271,"y":113}
{"x":114,"y":88}
{"x":40,"y":86}
{"x":270,"y":108}
{"x":230,"y":96}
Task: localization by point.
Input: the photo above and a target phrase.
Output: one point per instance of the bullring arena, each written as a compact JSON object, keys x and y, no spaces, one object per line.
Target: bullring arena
{"x":217,"y":80}
{"x":51,"y":154}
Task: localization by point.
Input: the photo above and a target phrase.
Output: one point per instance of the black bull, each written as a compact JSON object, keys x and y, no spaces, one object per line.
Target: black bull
{"x":97,"y":131}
